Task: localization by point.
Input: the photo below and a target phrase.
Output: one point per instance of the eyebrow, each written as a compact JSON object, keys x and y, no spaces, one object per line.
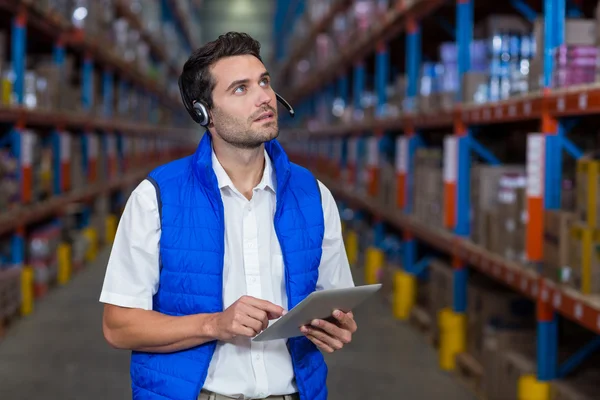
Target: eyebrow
{"x":243,"y":81}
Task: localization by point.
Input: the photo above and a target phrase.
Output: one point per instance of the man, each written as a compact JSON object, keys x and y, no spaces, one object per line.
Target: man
{"x":213,"y":246}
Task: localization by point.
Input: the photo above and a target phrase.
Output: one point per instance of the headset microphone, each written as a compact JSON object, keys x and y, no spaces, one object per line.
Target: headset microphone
{"x":286,"y":105}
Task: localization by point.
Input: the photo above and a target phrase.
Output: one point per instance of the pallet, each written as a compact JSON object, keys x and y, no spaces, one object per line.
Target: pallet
{"x":421,"y":320}
{"x":469,"y":373}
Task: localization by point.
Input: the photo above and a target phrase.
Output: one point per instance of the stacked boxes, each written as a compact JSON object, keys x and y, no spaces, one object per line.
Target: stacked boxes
{"x":428,"y":194}
{"x":485,"y":189}
{"x":491,"y":307}
{"x":499,"y":210}
{"x":42,"y":257}
{"x":440,"y":291}
{"x":507,"y":354}
{"x":9,"y":183}
{"x":557,"y":234}
{"x":582,"y":268}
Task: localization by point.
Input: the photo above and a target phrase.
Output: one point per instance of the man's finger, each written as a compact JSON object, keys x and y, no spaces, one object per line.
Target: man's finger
{"x":321,"y":345}
{"x":330,"y":340}
{"x":346,"y":320}
{"x":342,"y":333}
{"x":273,"y":310}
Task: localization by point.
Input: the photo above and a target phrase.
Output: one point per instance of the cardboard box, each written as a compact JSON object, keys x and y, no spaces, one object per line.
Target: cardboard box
{"x":496,"y":342}
{"x":501,"y":23}
{"x":580,"y":257}
{"x":513,"y":365}
{"x":557,"y":225}
{"x":485,"y":186}
{"x":474,"y":87}
{"x":440,"y":292}
{"x":588,"y":177}
{"x":582,"y":386}
{"x":491,"y":306}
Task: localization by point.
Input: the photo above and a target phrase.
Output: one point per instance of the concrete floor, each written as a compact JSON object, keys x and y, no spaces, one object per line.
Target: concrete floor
{"x":58,"y":353}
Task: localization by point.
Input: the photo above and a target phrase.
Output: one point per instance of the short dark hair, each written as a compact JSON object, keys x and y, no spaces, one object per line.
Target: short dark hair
{"x":196,"y":79}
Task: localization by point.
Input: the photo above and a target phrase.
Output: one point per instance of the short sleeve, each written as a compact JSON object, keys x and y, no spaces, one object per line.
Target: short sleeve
{"x":133,"y":269}
{"x":334,"y":270}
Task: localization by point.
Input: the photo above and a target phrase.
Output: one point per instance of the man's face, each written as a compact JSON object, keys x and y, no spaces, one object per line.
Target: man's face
{"x":244,"y":110}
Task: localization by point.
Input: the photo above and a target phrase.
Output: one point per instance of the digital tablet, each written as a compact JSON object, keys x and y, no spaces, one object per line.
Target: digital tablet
{"x":318,"y":305}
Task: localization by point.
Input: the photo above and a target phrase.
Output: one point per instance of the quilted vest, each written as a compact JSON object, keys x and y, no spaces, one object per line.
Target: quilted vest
{"x":191,"y":274}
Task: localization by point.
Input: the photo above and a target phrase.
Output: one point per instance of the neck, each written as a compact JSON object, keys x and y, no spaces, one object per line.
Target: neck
{"x":243,"y":166}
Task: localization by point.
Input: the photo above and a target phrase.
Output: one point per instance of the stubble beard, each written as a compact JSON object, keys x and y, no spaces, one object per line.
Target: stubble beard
{"x":237,"y":132}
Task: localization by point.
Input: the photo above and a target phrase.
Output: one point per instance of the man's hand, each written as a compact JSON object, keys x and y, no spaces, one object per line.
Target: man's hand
{"x":328,"y":336}
{"x":248,"y":316}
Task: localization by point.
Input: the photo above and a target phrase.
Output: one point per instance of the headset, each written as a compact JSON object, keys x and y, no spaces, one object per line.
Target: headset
{"x":199,"y":111}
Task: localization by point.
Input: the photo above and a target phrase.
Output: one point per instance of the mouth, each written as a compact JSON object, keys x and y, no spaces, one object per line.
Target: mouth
{"x":266,"y":117}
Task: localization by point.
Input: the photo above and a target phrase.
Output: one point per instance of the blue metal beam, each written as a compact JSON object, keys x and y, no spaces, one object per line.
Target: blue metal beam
{"x":484,"y":153}
{"x":381,"y":78}
{"x":552,"y":176}
{"x":464,"y":15}
{"x":463,"y":189}
{"x":526,"y":11}
{"x":359,"y":85}
{"x":419,"y":267}
{"x":573,"y":10}
{"x":579,"y":357}
{"x":547,"y":350}
{"x":413,"y":63}
{"x":19,"y":44}
{"x":571,"y":148}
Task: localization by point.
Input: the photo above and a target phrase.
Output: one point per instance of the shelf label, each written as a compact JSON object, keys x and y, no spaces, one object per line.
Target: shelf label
{"x":498,"y":270}
{"x":510,"y":277}
{"x":499,"y":112}
{"x":450,"y":159}
{"x":373,"y":152}
{"x":535,"y":164}
{"x":512,"y":110}
{"x":486,"y":114}
{"x":65,"y":146}
{"x":578,"y":311}
{"x":527,"y":108}
{"x":524,"y":284}
{"x":402,"y":154}
{"x":352,"y":150}
{"x":545,"y":295}
{"x":557,"y":300}
{"x":583,"y":101}
{"x":27,"y":145}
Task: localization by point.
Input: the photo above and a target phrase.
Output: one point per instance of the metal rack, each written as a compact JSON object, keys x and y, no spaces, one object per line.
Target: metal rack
{"x":548,"y":107}
{"x":97,"y":132}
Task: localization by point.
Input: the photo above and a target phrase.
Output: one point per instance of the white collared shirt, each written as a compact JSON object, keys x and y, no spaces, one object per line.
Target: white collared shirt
{"x":253,"y":266}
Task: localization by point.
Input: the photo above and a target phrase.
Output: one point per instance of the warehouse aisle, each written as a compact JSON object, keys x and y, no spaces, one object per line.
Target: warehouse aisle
{"x":59,"y":353}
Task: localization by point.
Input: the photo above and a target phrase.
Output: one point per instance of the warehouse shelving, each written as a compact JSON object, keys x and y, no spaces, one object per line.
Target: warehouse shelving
{"x":122,"y":10}
{"x":547,"y":107}
{"x":104,"y":138}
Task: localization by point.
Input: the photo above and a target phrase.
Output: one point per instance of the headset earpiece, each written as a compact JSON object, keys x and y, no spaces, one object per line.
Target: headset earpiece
{"x":202,"y":113}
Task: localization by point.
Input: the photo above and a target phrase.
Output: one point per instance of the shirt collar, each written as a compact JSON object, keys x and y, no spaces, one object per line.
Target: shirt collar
{"x":268,"y":179}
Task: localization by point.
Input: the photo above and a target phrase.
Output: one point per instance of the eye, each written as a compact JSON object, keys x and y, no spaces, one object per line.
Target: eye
{"x":240,"y":89}
{"x":264,"y":82}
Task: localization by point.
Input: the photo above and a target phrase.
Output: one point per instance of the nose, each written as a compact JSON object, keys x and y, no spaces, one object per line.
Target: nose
{"x":265,"y":96}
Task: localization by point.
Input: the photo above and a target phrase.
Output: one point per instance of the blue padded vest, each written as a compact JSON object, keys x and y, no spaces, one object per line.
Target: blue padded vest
{"x":191,"y":275}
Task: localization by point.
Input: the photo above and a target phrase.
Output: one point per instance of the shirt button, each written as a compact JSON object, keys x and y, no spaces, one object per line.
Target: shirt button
{"x":257,"y":357}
